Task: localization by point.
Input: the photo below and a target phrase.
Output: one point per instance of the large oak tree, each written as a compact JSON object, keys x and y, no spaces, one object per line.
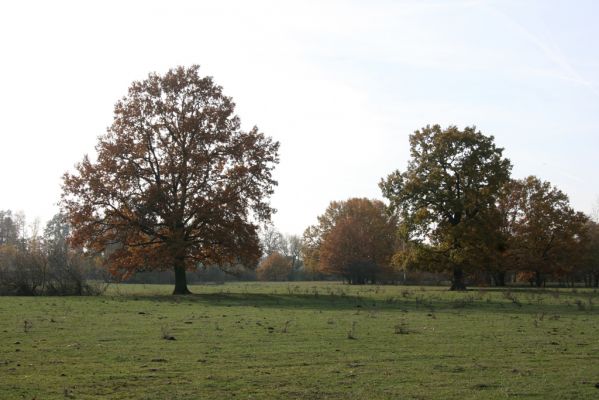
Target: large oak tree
{"x":177,"y":182}
{"x":446,"y":196}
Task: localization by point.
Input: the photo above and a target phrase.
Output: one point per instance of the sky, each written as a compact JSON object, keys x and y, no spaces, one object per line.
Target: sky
{"x":340,"y":84}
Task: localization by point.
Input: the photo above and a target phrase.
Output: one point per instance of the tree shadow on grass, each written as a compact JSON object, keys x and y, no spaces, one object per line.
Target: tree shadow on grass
{"x":332,"y":302}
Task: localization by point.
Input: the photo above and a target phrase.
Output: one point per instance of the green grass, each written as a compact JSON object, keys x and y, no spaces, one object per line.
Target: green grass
{"x":301,"y":341}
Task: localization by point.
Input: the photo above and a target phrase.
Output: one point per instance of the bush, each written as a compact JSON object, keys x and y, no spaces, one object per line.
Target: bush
{"x":275,"y":267}
{"x":24,"y":272}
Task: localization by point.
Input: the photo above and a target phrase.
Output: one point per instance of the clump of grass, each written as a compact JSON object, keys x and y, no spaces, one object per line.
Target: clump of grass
{"x":401,"y":328}
{"x":421,"y":300}
{"x":286,"y":326}
{"x":541,"y":316}
{"x":166,"y":333}
{"x":508,"y":295}
{"x":351,"y":334}
{"x":516,"y":302}
{"x":465,"y":301}
{"x":538,"y":318}
{"x":68,"y":393}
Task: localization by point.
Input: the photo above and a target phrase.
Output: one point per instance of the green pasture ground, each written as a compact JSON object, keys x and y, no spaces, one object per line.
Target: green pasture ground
{"x":302,"y":341}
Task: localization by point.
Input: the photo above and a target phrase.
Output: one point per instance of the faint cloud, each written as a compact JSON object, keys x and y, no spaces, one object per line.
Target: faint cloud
{"x":566,"y":70}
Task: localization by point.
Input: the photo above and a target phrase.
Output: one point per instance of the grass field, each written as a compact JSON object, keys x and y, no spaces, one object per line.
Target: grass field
{"x":302,"y":341}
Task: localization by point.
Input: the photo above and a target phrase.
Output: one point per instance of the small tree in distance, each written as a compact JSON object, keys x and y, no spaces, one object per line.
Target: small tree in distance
{"x":176,"y":183}
{"x":275,"y":267}
{"x":355,"y":239}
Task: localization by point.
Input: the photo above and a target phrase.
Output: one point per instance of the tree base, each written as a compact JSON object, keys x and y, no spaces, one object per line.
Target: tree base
{"x":457,"y":282}
{"x":180,"y":280}
{"x":181,"y":291}
{"x":458,"y":286}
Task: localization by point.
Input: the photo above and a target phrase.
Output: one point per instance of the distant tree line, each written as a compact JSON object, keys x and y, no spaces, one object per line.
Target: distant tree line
{"x":177,"y":185}
{"x":456,"y":209}
{"x":34,"y":262}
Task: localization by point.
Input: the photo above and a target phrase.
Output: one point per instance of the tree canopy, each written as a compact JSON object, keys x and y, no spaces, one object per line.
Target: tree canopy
{"x":354,"y":239}
{"x":275,"y":267}
{"x":446,"y":195}
{"x":544,"y":231}
{"x":177,"y":183}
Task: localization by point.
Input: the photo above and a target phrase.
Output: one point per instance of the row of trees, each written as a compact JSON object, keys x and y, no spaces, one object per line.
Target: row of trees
{"x":178,"y":185}
{"x":35,"y":262}
{"x":456,"y":208}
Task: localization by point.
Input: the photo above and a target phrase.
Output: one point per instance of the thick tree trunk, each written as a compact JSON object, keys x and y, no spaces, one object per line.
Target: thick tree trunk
{"x":538,"y":278}
{"x":499,"y":278}
{"x":180,"y":280}
{"x":458,"y":279}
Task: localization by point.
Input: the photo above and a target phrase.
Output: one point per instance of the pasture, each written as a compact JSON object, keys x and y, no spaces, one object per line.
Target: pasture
{"x":302,"y":341}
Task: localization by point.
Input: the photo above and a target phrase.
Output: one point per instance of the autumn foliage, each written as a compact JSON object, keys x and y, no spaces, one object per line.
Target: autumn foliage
{"x":275,"y":267}
{"x":176,"y":183}
{"x":354,"y":239}
{"x":446,"y":196}
{"x":542,"y":231}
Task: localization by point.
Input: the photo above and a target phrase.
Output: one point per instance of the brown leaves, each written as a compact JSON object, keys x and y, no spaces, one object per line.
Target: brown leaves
{"x":541,"y":226}
{"x":354,"y":239}
{"x":275,"y":267}
{"x":447,"y":194}
{"x":175,"y":177}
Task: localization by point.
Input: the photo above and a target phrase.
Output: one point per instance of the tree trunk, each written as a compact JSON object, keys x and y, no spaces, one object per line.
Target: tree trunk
{"x":180,"y":280}
{"x":499,"y":278}
{"x":458,"y":279}
{"x":538,"y":279}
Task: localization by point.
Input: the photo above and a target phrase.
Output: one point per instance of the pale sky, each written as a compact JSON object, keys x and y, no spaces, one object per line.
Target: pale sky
{"x":341,"y":84}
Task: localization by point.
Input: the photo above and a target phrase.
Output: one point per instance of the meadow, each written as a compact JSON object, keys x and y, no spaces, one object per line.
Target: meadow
{"x":302,"y":341}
